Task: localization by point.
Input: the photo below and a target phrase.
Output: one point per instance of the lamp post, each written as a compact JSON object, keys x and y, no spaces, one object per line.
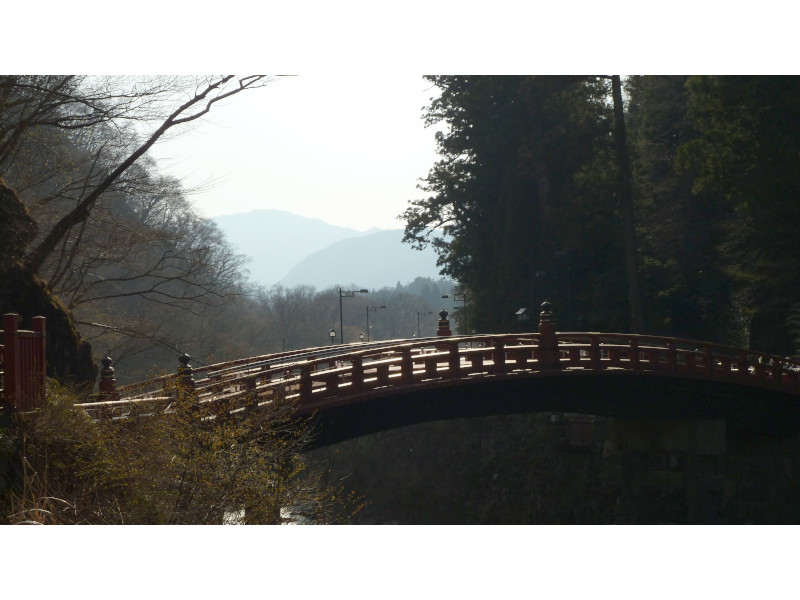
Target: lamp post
{"x":460,"y":298}
{"x":346,"y":294}
{"x":522,"y":316}
{"x":369,"y":310}
{"x":332,"y":333}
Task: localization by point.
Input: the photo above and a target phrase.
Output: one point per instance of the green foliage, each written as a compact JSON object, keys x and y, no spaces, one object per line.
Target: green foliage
{"x":507,"y":189}
{"x":748,"y":159}
{"x":679,"y":233}
{"x":179,"y":464}
{"x":523,"y":206}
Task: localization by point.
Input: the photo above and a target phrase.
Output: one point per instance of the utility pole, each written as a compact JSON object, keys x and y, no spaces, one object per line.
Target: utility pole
{"x":346,"y":294}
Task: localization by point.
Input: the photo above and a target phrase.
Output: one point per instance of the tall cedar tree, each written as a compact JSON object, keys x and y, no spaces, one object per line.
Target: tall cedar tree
{"x":687,"y":293}
{"x":748,"y":159}
{"x":523,"y":205}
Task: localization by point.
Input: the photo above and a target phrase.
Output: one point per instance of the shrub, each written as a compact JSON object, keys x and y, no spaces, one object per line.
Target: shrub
{"x":176,"y":462}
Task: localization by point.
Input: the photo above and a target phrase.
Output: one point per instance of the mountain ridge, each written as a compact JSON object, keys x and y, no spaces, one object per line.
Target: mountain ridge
{"x":374,"y":261}
{"x":293,"y":250}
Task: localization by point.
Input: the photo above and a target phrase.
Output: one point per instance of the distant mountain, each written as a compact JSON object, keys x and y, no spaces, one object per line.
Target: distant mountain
{"x":371,"y":260}
{"x":277,"y":240}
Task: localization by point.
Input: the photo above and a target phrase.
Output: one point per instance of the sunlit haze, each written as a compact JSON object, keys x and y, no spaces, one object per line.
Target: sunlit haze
{"x":347,"y":149}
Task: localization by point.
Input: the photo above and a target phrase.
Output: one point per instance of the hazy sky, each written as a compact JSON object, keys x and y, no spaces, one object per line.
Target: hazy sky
{"x":344,"y":140}
{"x":347,"y":149}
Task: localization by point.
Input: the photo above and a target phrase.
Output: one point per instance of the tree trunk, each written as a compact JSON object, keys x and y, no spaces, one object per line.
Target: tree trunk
{"x":626,"y":207}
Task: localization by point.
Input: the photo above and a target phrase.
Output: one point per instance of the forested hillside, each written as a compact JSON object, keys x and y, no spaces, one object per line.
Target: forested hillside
{"x":114,"y":254}
{"x":684,"y":204}
{"x":115,"y":248}
{"x":683,"y":208}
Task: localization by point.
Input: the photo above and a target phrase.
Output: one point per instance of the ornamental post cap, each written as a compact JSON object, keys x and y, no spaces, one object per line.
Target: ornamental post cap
{"x":443,"y":315}
{"x":184,"y":359}
{"x":107,"y":362}
{"x":547,"y":314}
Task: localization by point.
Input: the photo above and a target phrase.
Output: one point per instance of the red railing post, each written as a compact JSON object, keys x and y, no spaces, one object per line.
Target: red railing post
{"x":594,"y":352}
{"x":107,"y":386}
{"x":548,"y":342}
{"x":454,"y":361}
{"x":741,"y":365}
{"x":305,"y":384}
{"x":614,"y":356}
{"x":406,"y":366}
{"x":39,"y":326}
{"x":499,"y":356}
{"x":444,"y":325}
{"x":357,"y":374}
{"x":672,"y":356}
{"x":777,"y":373}
{"x":24,"y":363}
{"x":11,"y":366}
{"x":185,"y":379}
{"x":634,"y":356}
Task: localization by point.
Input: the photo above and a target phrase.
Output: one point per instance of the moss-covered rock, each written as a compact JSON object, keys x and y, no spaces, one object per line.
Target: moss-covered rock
{"x":69,"y":358}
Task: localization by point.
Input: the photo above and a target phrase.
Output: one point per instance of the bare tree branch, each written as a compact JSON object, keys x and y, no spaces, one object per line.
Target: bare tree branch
{"x":204,"y":99}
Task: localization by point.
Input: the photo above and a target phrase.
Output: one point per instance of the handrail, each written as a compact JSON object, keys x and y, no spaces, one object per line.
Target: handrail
{"x":22,"y":363}
{"x":321,"y":375}
{"x":219,"y":368}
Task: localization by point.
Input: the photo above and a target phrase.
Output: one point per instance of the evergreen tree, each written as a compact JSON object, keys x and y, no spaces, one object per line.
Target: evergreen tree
{"x":748,"y":160}
{"x":687,"y":294}
{"x":525,"y":174}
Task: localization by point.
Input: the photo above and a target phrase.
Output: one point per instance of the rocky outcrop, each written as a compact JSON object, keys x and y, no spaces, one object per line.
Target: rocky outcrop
{"x":17,"y":227}
{"x":69,"y":358}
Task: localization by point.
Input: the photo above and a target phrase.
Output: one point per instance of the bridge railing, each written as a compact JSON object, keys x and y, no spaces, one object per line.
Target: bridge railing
{"x":415,"y":362}
{"x":679,"y":356}
{"x":330,"y":375}
{"x":22,"y":364}
{"x":231,"y":380}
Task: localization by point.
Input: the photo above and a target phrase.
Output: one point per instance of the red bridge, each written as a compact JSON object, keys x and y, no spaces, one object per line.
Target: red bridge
{"x":22,"y":363}
{"x":351,"y":390}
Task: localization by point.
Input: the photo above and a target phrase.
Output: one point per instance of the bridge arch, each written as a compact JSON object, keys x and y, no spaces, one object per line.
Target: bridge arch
{"x":356,"y":389}
{"x":623,"y":395}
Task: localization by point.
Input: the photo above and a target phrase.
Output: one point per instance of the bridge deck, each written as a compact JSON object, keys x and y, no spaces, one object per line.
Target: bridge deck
{"x":334,"y":376}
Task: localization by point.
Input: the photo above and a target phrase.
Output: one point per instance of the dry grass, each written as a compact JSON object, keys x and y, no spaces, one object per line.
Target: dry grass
{"x":184,"y":465}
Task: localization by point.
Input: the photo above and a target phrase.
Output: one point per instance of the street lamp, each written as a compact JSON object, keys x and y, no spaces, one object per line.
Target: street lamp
{"x":369,"y":310}
{"x":346,"y":294}
{"x":460,"y":298}
{"x":332,"y":333}
{"x":522,"y":316}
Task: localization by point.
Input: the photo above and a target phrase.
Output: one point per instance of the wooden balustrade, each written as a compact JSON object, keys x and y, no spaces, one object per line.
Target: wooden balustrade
{"x":317,"y":377}
{"x":23,"y":363}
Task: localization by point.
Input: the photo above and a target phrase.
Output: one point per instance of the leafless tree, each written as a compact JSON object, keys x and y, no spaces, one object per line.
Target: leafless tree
{"x":114,"y":233}
{"x":76,"y":103}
